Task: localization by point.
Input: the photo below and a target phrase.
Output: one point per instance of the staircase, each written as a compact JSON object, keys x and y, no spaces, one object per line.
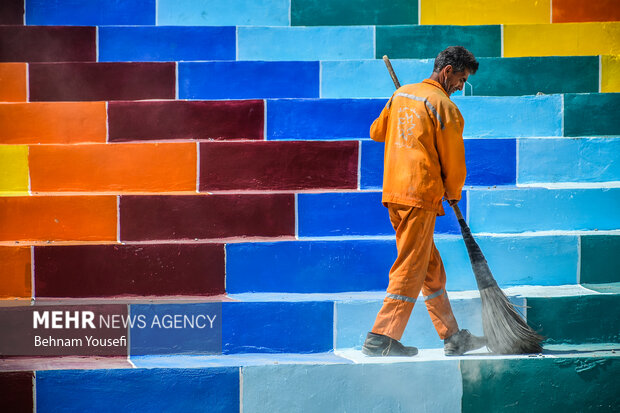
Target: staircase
{"x":198,"y":176}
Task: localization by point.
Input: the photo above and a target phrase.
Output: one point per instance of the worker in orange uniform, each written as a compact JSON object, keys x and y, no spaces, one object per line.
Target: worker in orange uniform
{"x":424,"y":162}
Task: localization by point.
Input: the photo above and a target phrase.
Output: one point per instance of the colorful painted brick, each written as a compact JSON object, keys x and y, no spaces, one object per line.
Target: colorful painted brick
{"x":101,"y":81}
{"x":15,"y":272}
{"x":52,"y":122}
{"x":156,"y":167}
{"x":14,"y":171}
{"x":17,"y":390}
{"x":591,"y":114}
{"x":165,"y":43}
{"x":63,"y":218}
{"x":13,"y":80}
{"x":610,"y":74}
{"x":569,"y":160}
{"x":485,"y":12}
{"x":539,"y":209}
{"x":93,"y":13}
{"x":129,"y":270}
{"x":186,"y":120}
{"x":47,"y":44}
{"x":278,"y":165}
{"x":419,"y":42}
{"x":248,"y":80}
{"x":223,"y":12}
{"x":206,"y":216}
{"x":356,"y":12}
{"x":565,"y":39}
{"x":12,"y":12}
{"x":568,"y":11}
{"x":600,"y":259}
{"x":306,"y":43}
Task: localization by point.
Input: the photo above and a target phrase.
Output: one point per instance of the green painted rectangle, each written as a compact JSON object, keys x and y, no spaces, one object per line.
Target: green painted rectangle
{"x":576,"y":384}
{"x":591,"y":114}
{"x":419,"y":42}
{"x":600,"y":259}
{"x":576,"y":319}
{"x":353,"y":12}
{"x":530,"y":75}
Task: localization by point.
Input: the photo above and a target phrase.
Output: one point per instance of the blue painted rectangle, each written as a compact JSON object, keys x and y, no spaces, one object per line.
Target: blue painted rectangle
{"x":248,"y":80}
{"x":166,"y":329}
{"x":163,"y":44}
{"x":370,"y":78}
{"x":321,"y":119}
{"x":223,"y":12}
{"x":278,"y":327}
{"x":361,"y":213}
{"x":90,"y":13}
{"x":306,"y":43}
{"x":569,"y":160}
{"x":131,"y":390}
{"x":539,"y":209}
{"x":371,"y":164}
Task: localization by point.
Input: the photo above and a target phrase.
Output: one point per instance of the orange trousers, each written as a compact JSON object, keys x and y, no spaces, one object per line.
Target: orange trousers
{"x":418,"y":266}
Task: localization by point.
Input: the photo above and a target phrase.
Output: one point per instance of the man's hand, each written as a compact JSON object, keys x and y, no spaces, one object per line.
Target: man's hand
{"x":453,"y":202}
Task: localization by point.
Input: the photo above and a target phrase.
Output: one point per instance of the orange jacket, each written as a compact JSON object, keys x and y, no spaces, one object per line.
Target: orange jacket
{"x":424,"y":151}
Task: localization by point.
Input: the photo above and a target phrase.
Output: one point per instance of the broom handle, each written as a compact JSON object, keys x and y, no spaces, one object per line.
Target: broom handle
{"x":457,"y":212}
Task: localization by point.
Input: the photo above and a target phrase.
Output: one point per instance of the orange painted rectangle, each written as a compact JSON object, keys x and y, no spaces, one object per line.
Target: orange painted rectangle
{"x":52,"y":122}
{"x":15,"y":273}
{"x":58,"y":218}
{"x":13,"y":81}
{"x":573,"y":11}
{"x":131,"y":167}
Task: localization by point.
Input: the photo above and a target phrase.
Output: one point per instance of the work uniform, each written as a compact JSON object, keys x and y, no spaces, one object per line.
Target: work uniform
{"x":424,"y":161}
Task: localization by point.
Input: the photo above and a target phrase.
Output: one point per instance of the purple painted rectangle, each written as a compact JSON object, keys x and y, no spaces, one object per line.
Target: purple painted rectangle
{"x":47,"y":44}
{"x":129,"y":270}
{"x":206,"y":216}
{"x":278,"y":165}
{"x":186,"y":120}
{"x":101,"y":81}
{"x":12,"y":12}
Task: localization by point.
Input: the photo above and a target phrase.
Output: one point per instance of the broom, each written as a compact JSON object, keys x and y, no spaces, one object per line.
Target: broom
{"x":504,"y":328}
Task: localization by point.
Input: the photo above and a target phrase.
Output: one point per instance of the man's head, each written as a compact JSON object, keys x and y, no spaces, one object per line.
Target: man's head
{"x":452,"y":68}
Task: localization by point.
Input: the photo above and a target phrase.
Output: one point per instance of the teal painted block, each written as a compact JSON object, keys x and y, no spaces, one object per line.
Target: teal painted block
{"x":353,"y":12}
{"x":419,"y":42}
{"x":600,"y":259}
{"x":564,"y":384}
{"x":223,"y":13}
{"x":433,"y":386}
{"x":369,"y":78}
{"x":530,"y":75}
{"x":305,"y":43}
{"x":539,"y":209}
{"x":569,"y":160}
{"x":591,"y":114}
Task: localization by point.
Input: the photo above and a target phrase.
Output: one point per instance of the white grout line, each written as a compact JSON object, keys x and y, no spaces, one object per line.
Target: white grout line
{"x":517,"y":166}
{"x":296,"y":216}
{"x":359,"y":165}
{"x":129,"y":337}
{"x":264,"y":119}
{"x":156,"y":12}
{"x":96,"y":43}
{"x":467,"y":207}
{"x":237,"y":43}
{"x":563,"y":114}
{"x":290,"y":12}
{"x":419,"y":12}
{"x":579,"y":259}
{"x":600,"y":73}
{"x":176,"y":80}
{"x":335,"y":340}
{"x":502,"y":39}
{"x":107,"y":122}
{"x":34,"y":391}
{"x":320,"y":79}
{"x":198,"y":167}
{"x":374,"y":42}
{"x":29,"y":176}
{"x":27,"y":82}
{"x":241,"y":389}
{"x":118,"y":218}
{"x":24,"y":20}
{"x":32,"y":291}
{"x":550,"y":11}
{"x":225,"y":263}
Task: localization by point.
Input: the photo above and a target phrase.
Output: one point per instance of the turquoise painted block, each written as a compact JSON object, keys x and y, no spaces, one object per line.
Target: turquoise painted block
{"x":305,"y":43}
{"x":433,"y":386}
{"x":352,"y":12}
{"x":569,"y":160}
{"x":539,"y":209}
{"x":600,"y":261}
{"x":223,"y":13}
{"x":591,"y":114}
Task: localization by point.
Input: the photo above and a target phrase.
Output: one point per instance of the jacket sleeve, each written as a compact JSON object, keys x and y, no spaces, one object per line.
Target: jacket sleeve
{"x":451,"y":149}
{"x":378,"y":129}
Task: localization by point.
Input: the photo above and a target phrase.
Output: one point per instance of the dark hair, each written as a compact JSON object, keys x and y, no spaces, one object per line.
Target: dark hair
{"x":458,"y":57}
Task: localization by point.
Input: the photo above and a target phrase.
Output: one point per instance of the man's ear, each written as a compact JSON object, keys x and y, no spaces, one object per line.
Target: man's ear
{"x":448,"y":69}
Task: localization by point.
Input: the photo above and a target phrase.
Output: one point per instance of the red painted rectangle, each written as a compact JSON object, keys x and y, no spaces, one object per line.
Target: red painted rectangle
{"x":129,"y":270}
{"x":101,"y":81}
{"x":16,"y":391}
{"x":573,"y":11}
{"x":206,"y":216}
{"x":278,"y":165}
{"x":12,"y":12}
{"x":242,"y":119}
{"x":47,"y":44}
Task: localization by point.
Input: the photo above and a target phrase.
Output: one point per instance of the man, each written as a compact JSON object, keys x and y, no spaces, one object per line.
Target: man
{"x":424,"y":162}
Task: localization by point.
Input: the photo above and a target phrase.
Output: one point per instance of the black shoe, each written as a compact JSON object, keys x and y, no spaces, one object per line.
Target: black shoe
{"x":461,"y":342}
{"x":378,"y":345}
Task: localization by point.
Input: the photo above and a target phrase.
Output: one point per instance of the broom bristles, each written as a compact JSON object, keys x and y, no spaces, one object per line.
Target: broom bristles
{"x":504,"y":328}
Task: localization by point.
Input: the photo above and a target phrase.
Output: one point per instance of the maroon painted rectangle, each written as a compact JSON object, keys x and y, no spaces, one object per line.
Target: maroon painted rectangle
{"x":12,"y":12}
{"x":129,"y":270}
{"x":278,"y":165}
{"x":47,"y":44}
{"x":220,"y":120}
{"x":16,"y":391}
{"x":101,"y":81}
{"x":206,"y":216}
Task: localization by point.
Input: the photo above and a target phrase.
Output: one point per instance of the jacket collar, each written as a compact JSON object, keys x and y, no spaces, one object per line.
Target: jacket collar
{"x":436,"y":84}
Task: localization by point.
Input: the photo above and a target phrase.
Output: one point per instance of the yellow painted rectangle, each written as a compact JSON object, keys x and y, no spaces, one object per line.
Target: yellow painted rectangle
{"x":610,"y":76}
{"x":562,"y":39}
{"x":485,"y":12}
{"x":13,"y":170}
